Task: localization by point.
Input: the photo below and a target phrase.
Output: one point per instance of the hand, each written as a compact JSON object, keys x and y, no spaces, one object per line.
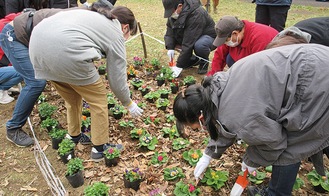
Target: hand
{"x":250,"y":169}
{"x":135,"y":110}
{"x":171,"y":54}
{"x":201,"y":165}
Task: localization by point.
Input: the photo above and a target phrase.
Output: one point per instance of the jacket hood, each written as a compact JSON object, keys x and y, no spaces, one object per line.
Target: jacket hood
{"x":217,"y":86}
{"x":189,"y":6}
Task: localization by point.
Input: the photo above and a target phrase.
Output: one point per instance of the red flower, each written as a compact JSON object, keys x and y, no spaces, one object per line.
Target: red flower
{"x":191,"y":188}
{"x":111,"y":150}
{"x":160,"y":158}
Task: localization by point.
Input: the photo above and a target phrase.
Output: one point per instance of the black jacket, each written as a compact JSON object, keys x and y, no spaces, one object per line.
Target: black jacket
{"x":193,"y":22}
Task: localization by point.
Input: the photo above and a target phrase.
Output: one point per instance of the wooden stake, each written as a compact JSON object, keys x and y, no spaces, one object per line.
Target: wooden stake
{"x":143,"y":41}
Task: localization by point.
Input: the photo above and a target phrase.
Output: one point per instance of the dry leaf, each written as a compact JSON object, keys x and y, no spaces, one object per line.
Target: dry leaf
{"x":28,"y":188}
{"x":105,"y":179}
{"x":18,"y":170}
{"x":89,"y":174}
{"x":118,"y":190}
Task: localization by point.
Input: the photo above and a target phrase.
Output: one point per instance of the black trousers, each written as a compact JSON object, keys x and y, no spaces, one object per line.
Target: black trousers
{"x":274,"y":16}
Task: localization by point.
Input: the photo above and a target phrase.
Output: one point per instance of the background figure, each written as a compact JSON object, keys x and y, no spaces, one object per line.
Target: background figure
{"x":186,"y":18}
{"x":8,"y":78}
{"x":256,"y":102}
{"x":214,"y":5}
{"x":2,"y":9}
{"x":80,"y":37}
{"x":272,"y":12}
{"x":237,"y":39}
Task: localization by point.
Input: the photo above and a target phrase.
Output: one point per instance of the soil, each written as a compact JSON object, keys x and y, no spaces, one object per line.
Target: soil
{"x":20,"y":175}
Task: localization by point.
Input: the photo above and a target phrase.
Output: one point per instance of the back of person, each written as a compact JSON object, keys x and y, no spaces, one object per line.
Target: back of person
{"x":2,"y":9}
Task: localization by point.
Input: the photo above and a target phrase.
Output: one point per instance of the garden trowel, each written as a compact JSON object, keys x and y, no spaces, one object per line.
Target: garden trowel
{"x":240,"y":184}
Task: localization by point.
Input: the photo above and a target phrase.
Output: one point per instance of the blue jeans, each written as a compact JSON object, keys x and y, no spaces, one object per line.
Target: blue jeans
{"x":283,"y":179}
{"x":9,"y":77}
{"x":229,"y":60}
{"x":18,"y":54}
{"x":203,"y":46}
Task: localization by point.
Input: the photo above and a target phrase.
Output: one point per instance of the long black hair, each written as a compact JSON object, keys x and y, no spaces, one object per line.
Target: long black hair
{"x":194,"y":100}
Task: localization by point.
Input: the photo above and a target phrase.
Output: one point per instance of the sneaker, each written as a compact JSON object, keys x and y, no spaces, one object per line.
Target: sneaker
{"x":256,"y":191}
{"x":98,"y":155}
{"x":82,"y":139}
{"x":203,"y":68}
{"x":5,"y":98}
{"x":19,"y":137}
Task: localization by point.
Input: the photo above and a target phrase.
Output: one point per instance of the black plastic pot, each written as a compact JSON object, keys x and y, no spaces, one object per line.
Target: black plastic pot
{"x":174,"y":89}
{"x":160,"y":82}
{"x":101,"y":71}
{"x":150,"y":100}
{"x":319,"y":189}
{"x":131,"y":76}
{"x":110,"y":105}
{"x":163,"y":108}
{"x":134,"y":185}
{"x":111,"y":162}
{"x":145,"y":92}
{"x":165,"y":96}
{"x":189,"y":84}
{"x":55,"y":143}
{"x":118,"y":116}
{"x":76,"y":180}
{"x":66,"y":157}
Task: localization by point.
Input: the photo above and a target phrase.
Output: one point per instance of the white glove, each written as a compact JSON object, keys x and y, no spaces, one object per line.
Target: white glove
{"x":201,"y":165}
{"x":171,"y":54}
{"x":135,"y":110}
{"x":250,"y":169}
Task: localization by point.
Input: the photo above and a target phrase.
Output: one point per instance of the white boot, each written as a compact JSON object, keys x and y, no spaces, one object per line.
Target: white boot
{"x":5,"y":98}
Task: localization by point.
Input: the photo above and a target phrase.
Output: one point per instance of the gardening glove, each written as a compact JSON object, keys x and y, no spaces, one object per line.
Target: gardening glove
{"x":250,"y":169}
{"x":134,"y":109}
{"x":201,"y":165}
{"x":171,"y":54}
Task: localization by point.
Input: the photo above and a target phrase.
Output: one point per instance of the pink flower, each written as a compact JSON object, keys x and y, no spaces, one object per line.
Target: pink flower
{"x":111,"y":150}
{"x":191,"y":188}
{"x":160,"y":158}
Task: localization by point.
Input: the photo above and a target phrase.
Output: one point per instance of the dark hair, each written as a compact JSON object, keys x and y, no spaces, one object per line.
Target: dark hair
{"x":287,"y":39}
{"x":189,"y":104}
{"x":123,"y":14}
{"x":38,"y":4}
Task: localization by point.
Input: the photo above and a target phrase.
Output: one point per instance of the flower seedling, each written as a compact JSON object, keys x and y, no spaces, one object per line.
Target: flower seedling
{"x":111,"y":153}
{"x":133,"y":175}
{"x":189,"y":80}
{"x":192,"y":156}
{"x":257,"y":177}
{"x":151,"y":119}
{"x":173,"y":173}
{"x":137,"y":132}
{"x":46,"y":110}
{"x":162,"y":103}
{"x":65,"y":146}
{"x":49,"y":124}
{"x":126,"y":123}
{"x":144,"y":89}
{"x":164,"y":92}
{"x":317,"y":179}
{"x":152,"y":95}
{"x":131,"y":72}
{"x":58,"y":133}
{"x":171,"y":132}
{"x":138,"y":61}
{"x":118,"y":109}
{"x":141,"y":104}
{"x":155,"y":63}
{"x":42,"y":98}
{"x":170,"y":118}
{"x":298,"y":184}
{"x":85,"y":124}
{"x":149,"y":141}
{"x":215,"y":179}
{"x":137,"y":82}
{"x":102,"y":69}
{"x":159,"y":158}
{"x":111,"y":102}
{"x":74,"y":166}
{"x":186,"y":189}
{"x":180,"y":143}
{"x":96,"y":189}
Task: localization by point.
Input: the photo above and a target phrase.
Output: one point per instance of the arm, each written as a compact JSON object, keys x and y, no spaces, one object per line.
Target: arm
{"x":219,"y":59}
{"x":169,"y":37}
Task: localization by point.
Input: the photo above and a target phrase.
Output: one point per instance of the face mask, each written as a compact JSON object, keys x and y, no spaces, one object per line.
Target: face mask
{"x":233,"y":44}
{"x":174,"y":15}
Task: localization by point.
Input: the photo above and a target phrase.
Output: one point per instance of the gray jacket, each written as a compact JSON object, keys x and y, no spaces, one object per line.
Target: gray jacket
{"x":277,"y":101}
{"x":63,"y":47}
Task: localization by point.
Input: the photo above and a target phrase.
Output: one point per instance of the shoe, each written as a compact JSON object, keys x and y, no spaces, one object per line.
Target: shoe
{"x":82,"y":139}
{"x":5,"y":98}
{"x":256,"y":191}
{"x":203,"y":67}
{"x":19,"y":137}
{"x":98,"y":155}
{"x":194,"y":61}
{"x":176,"y":71}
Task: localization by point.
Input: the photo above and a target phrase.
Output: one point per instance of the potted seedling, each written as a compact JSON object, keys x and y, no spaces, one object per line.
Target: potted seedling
{"x":42,"y":98}
{"x":85,"y":124}
{"x":111,"y":156}
{"x":136,"y":82}
{"x":170,"y":132}
{"x":66,"y":150}
{"x":215,"y":179}
{"x":148,"y":69}
{"x":148,"y":141}
{"x":192,"y":156}
{"x":160,"y":78}
{"x":144,"y":89}
{"x":159,"y":158}
{"x":151,"y":96}
{"x":180,"y":143}
{"x":137,"y":132}
{"x":319,"y":182}
{"x":111,"y":101}
{"x":189,"y":80}
{"x":155,"y":63}
{"x":152,"y":119}
{"x":96,"y":189}
{"x":164,"y":93}
{"x":162,"y":103}
{"x":170,"y":118}
{"x":49,"y":124}
{"x":298,"y":184}
{"x":138,"y":62}
{"x":74,"y":173}
{"x":126,"y":124}
{"x":186,"y":189}
{"x":118,"y":111}
{"x":131,"y":72}
{"x":102,"y":69}
{"x":57,"y":135}
{"x":257,"y":177}
{"x":173,"y":173}
{"x":46,"y":110}
{"x":132,"y":178}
